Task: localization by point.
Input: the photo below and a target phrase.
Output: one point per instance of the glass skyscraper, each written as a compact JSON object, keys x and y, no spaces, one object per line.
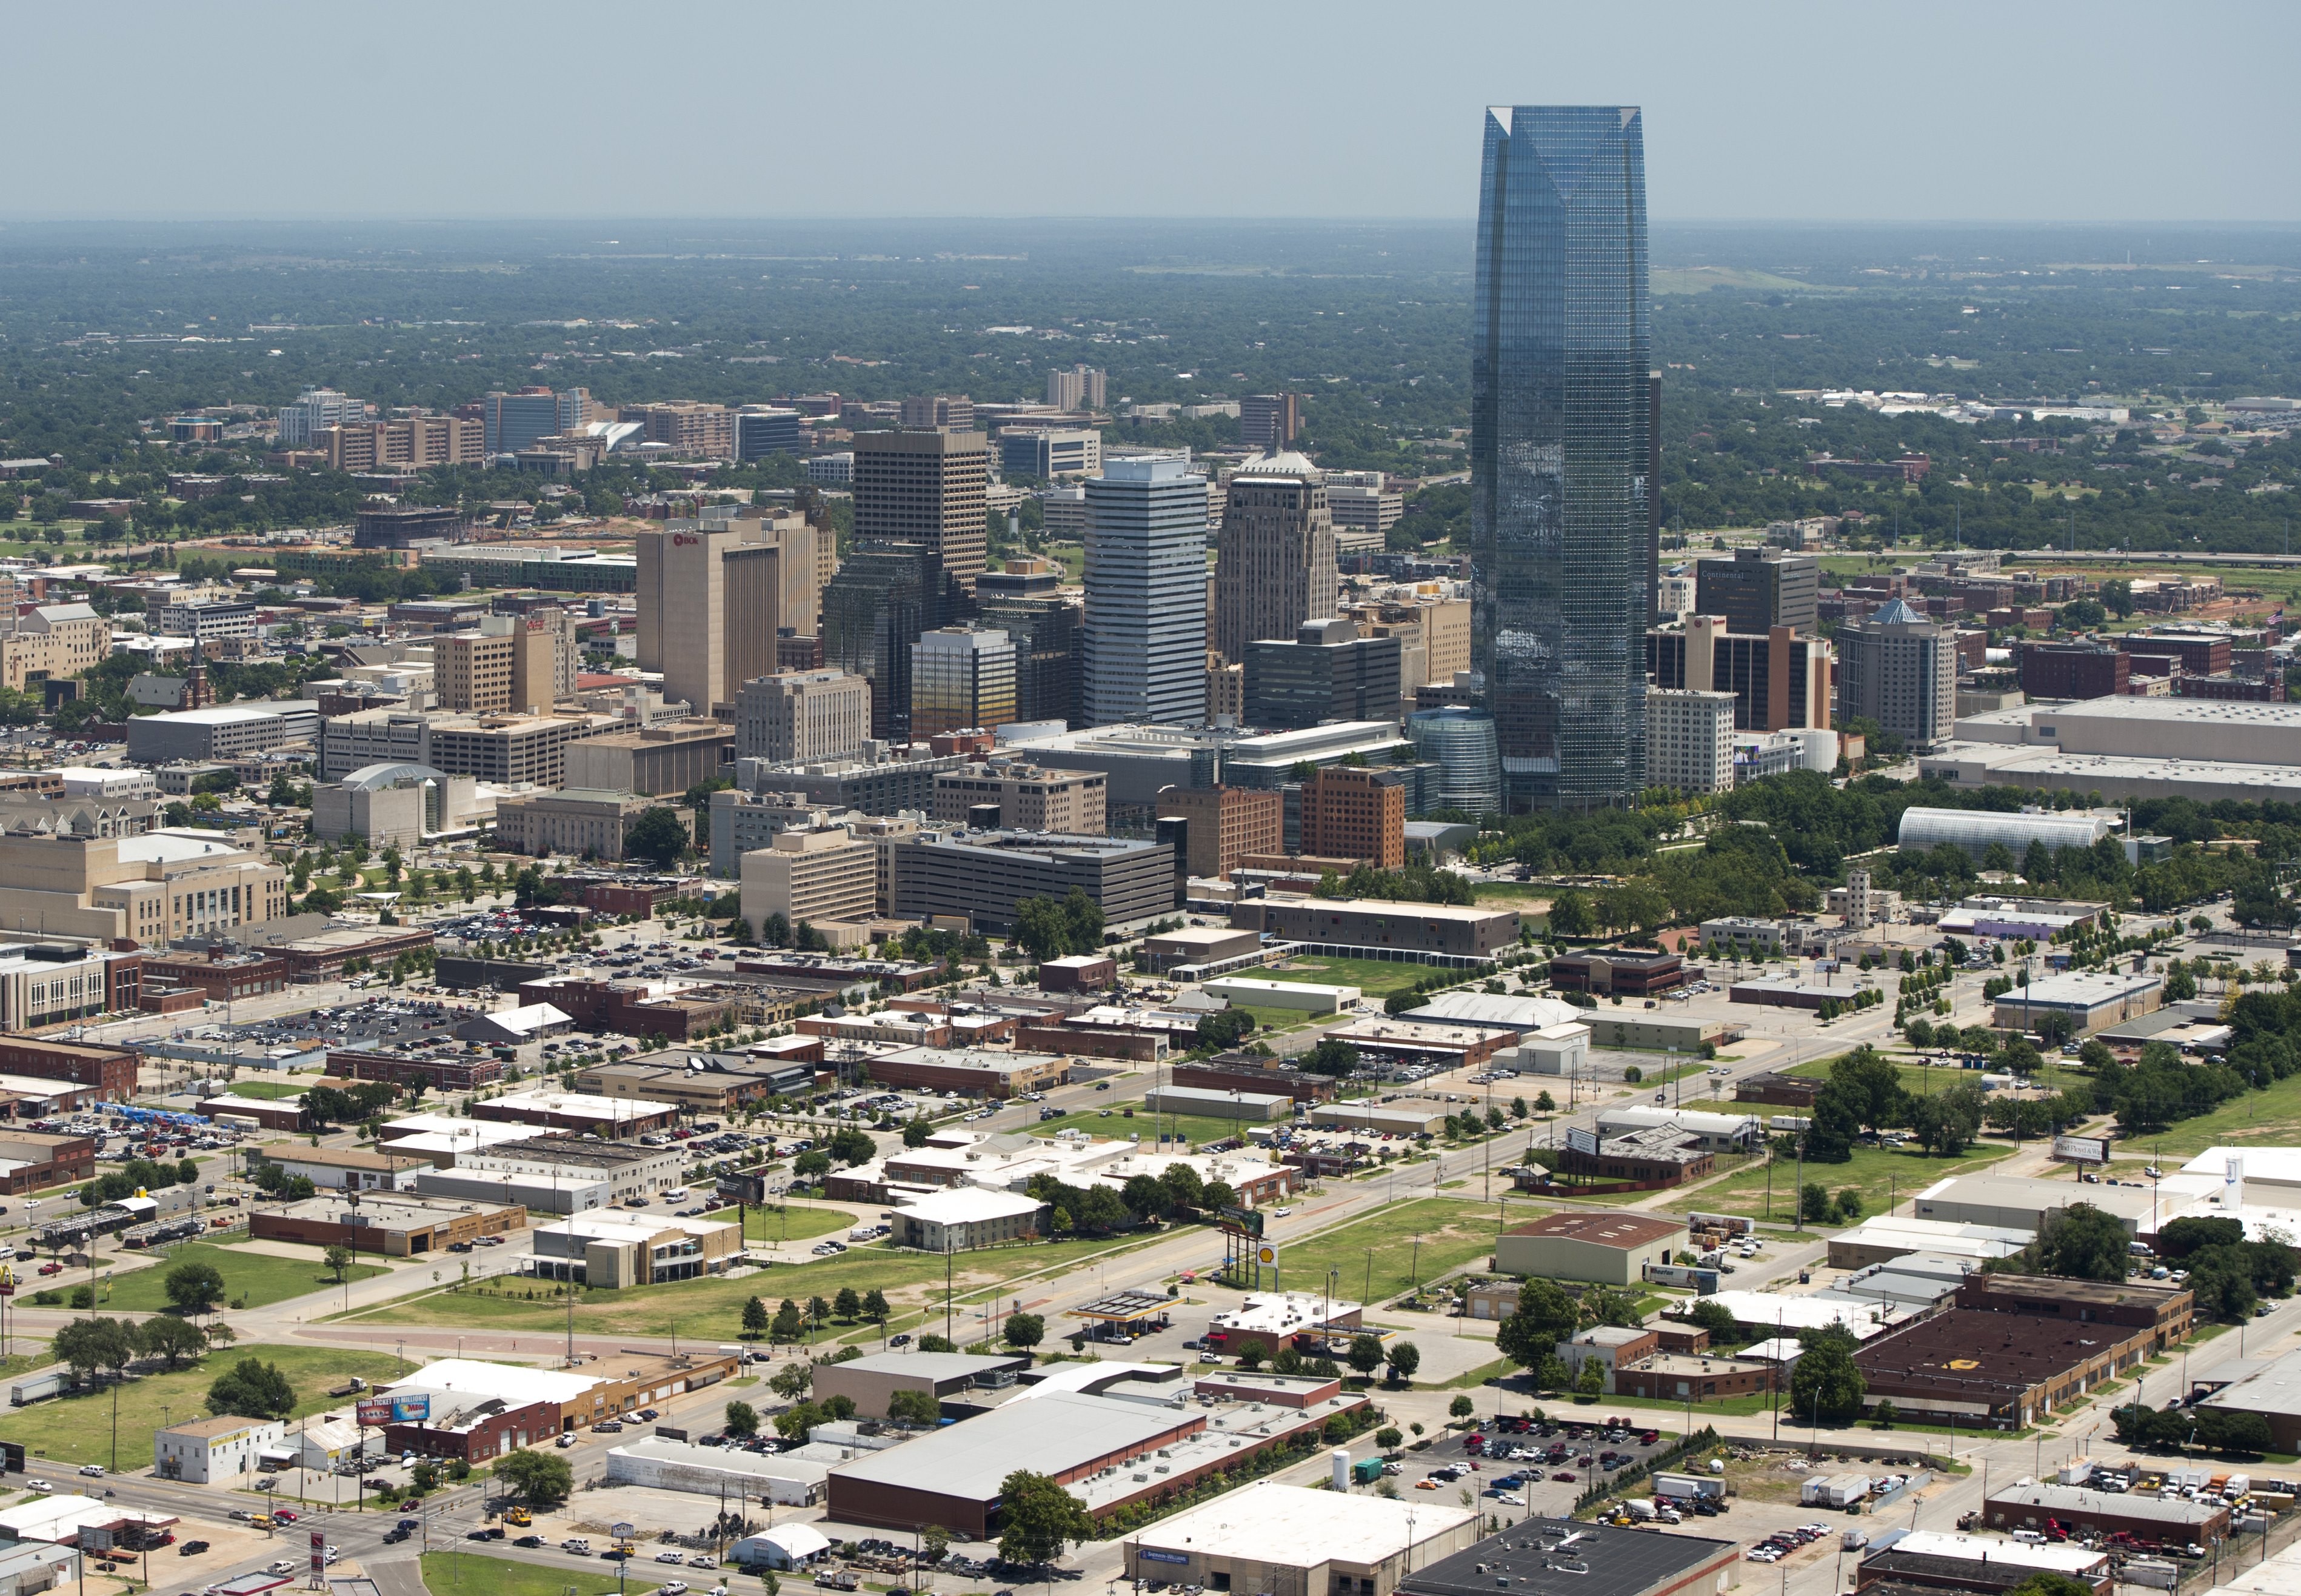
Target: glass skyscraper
{"x":1560,"y":360}
{"x":1144,"y":652}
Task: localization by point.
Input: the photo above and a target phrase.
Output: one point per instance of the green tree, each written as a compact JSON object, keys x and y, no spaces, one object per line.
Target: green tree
{"x":788,"y":1326}
{"x":193,"y":1287}
{"x":1813,"y":1202}
{"x":2082,"y":1241}
{"x":1826,"y":1386}
{"x":170,"y":1339}
{"x":1039,"y":1518}
{"x":1571,"y":914}
{"x":875,"y":1306}
{"x":742,"y":1419}
{"x":657,"y":836}
{"x":1330,"y":1058}
{"x":540,"y":1479}
{"x":90,"y":1346}
{"x":755,"y":1318}
{"x":1461,"y":1407}
{"x":1590,"y":1380}
{"x":338,"y":1260}
{"x":914,"y":1408}
{"x":1365,"y":1354}
{"x":847,"y":1304}
{"x":1545,"y":1316}
{"x":1023,"y":1331}
{"x":1405,"y":1359}
{"x":254,"y":1390}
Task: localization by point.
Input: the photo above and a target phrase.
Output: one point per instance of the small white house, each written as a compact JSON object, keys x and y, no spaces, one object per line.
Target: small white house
{"x":224,"y":1450}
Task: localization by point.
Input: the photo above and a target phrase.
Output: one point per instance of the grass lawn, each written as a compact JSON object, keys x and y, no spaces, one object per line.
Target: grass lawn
{"x":713,"y":1306}
{"x":265,"y":1089}
{"x":1874,"y":1171}
{"x":1376,"y":977}
{"x":797,"y":1223}
{"x":78,"y":1429}
{"x":2273,"y":1117}
{"x":443,"y":1571}
{"x":1196,"y":1128}
{"x":259,"y":1277}
{"x":1380,"y":1248}
{"x":1267,"y":1019}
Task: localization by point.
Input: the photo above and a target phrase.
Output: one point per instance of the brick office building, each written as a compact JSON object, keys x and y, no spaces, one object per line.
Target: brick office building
{"x":110,"y":1070}
{"x":1355,"y":815}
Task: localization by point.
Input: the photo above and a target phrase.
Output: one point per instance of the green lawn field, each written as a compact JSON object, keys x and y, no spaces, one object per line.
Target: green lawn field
{"x":258,"y":1278}
{"x":77,"y":1429}
{"x":1376,"y":977}
{"x":1879,"y":1174}
{"x":446,"y":1571}
{"x":1197,"y":1129}
{"x":712,"y":1307}
{"x":1379,"y":1252}
{"x":267,"y":1090}
{"x":796,"y":1223}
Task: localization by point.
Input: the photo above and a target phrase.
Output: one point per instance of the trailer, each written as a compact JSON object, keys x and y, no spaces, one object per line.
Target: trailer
{"x":41,"y":1387}
{"x":1686,"y":1487}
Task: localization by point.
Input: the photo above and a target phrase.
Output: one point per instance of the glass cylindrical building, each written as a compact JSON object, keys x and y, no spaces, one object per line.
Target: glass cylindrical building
{"x":1461,"y":743}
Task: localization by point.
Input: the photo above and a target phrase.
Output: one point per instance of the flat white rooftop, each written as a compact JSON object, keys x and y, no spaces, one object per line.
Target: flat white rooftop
{"x":1290,"y":1526}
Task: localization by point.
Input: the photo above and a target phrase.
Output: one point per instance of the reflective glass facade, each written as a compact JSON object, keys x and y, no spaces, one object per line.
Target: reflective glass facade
{"x":1558,"y":430}
{"x":1462,"y":742}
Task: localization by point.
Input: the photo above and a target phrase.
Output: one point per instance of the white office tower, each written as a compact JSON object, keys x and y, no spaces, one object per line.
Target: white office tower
{"x":1146,"y":593}
{"x":313,"y":411}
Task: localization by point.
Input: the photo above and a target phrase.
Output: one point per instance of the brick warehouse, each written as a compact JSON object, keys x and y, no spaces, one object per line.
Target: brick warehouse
{"x":112,"y":1070}
{"x":1995,"y":1370}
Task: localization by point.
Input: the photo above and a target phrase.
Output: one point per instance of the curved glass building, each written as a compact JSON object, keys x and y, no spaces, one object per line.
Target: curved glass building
{"x":1461,"y":743}
{"x":1974,"y":829}
{"x":1559,"y":424}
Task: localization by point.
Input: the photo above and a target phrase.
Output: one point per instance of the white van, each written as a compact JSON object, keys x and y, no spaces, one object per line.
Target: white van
{"x":2029,"y":1537}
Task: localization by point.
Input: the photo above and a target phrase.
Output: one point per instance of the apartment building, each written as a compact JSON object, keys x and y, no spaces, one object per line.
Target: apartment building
{"x":802,"y":717}
{"x":1081,"y":388}
{"x":1226,"y":825}
{"x":1354,"y":814}
{"x":816,"y":875}
{"x":1027,"y":798}
{"x":414,"y":442}
{"x":1689,"y":740}
{"x":313,"y":411}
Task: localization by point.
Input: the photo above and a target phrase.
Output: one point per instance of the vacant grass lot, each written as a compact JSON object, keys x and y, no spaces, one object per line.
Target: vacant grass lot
{"x":1378,"y":1253}
{"x":1376,"y":978}
{"x":1197,"y":1129}
{"x":445,"y":1571}
{"x":77,"y":1429}
{"x":2271,"y":1117}
{"x":795,"y":1223}
{"x":258,"y":1278}
{"x":1879,"y":1174}
{"x":713,"y":1306}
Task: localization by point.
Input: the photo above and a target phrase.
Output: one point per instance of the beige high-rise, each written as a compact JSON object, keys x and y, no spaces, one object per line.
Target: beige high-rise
{"x":711,"y":596}
{"x":519,"y":664}
{"x":1274,"y":560}
{"x":928,"y":487}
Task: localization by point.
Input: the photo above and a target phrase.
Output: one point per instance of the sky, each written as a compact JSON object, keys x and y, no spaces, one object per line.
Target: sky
{"x":2106,"y":110}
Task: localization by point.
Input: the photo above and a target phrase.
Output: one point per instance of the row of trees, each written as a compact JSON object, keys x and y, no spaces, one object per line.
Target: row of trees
{"x":90,"y":1347}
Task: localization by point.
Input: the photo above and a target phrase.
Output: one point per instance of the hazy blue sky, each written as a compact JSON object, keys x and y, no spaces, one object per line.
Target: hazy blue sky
{"x":2020,"y":111}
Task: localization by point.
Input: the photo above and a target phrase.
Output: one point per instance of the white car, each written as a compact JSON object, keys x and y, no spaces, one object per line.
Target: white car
{"x":700,"y":1561}
{"x":669,"y":1557}
{"x":38,"y":1485}
{"x":1280,"y":1213}
{"x":673,"y":1587}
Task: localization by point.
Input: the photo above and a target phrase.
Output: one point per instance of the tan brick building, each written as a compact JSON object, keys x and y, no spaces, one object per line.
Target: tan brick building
{"x":1227,"y":824}
{"x":695,"y":430}
{"x":415,"y":440}
{"x":1354,"y":815}
{"x":927,"y":488}
{"x":1072,"y":802}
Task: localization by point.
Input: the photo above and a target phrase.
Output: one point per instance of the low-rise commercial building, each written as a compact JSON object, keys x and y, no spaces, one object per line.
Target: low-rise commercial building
{"x":1603,"y":1561}
{"x":963,"y":1218}
{"x":469,"y":1429}
{"x":1377,"y":928}
{"x":1314,"y":1540}
{"x":1605,"y":1249}
{"x":224,"y":1451}
{"x":1245,"y":1106}
{"x":610,"y":1250}
{"x":1631,"y":972}
{"x":585,"y":820}
{"x":2028,"y":1505}
{"x":340,"y":1168}
{"x":1993,"y":1369}
{"x":605,"y":1390}
{"x":2090,"y":999}
{"x":872,"y":1381}
{"x":611,"y":1118}
{"x":397,"y":1226}
{"x":981,"y":876}
{"x":2017,"y":1202}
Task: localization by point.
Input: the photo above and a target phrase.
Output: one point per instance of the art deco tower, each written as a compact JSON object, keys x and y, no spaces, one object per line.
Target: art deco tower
{"x":1559,"y":429}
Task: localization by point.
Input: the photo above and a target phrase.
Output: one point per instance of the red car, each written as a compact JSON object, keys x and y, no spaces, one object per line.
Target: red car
{"x":1567,"y":1478}
{"x":283,"y":1514}
{"x":51,"y":1268}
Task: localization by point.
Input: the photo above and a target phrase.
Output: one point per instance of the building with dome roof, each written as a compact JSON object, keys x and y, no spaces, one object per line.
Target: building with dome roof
{"x":1899,"y":669}
{"x":1274,"y":556}
{"x":390,"y":803}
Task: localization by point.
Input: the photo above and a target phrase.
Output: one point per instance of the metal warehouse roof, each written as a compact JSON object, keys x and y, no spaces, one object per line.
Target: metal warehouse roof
{"x":1051,"y":1436}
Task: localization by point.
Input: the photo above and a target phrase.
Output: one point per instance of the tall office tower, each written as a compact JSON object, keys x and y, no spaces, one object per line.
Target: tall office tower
{"x":712,"y":595}
{"x":1275,"y":559}
{"x":1559,"y":402}
{"x":885,"y":594}
{"x":1047,"y":645}
{"x":577,"y":409}
{"x":955,"y":411}
{"x":1269,"y":422}
{"x":1082,"y":388}
{"x":514,"y":421}
{"x":926,"y":487}
{"x":1325,"y":672}
{"x":1760,"y":588}
{"x":962,"y":678}
{"x":313,"y":411}
{"x":1779,"y":680}
{"x":801,"y":717}
{"x":1689,"y":738}
{"x":512,"y":664}
{"x":1144,"y":656}
{"x":1900,"y":670}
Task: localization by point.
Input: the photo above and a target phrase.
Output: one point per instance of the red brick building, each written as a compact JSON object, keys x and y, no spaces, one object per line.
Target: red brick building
{"x":221,"y":977}
{"x":452,"y":1072}
{"x":1354,"y":815}
{"x":473,"y":1429}
{"x":111,"y":1069}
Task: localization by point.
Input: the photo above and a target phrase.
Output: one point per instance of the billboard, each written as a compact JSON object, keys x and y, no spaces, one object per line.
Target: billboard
{"x":2081,"y":1150}
{"x":1579,"y":1141}
{"x":410,"y":1410}
{"x":1245,"y":1220}
{"x":1150,"y":1554}
{"x":372,"y":1410}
